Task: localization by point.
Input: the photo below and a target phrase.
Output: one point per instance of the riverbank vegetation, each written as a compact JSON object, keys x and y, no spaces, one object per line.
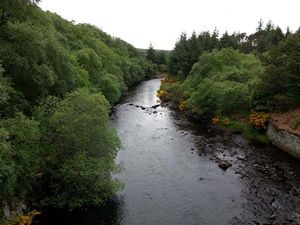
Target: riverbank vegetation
{"x":58,"y":80}
{"x":238,"y":81}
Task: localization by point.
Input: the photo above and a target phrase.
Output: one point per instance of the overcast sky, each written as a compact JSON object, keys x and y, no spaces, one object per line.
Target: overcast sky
{"x":160,"y":22}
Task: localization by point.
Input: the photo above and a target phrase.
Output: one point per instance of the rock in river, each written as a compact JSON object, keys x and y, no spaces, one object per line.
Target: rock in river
{"x":224,"y":164}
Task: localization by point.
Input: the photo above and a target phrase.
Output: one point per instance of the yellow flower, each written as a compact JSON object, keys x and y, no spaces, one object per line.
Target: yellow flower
{"x":259,"y":119}
{"x":182,"y":105}
{"x":24,"y":219}
{"x":216,"y":120}
{"x":162,"y":94}
{"x":226,"y":121}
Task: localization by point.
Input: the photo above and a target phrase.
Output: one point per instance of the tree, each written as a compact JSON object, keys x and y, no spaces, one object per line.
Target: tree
{"x":4,"y":86}
{"x":84,"y":148}
{"x":48,"y":68}
{"x":288,"y":31}
{"x":263,"y":38}
{"x":21,"y":154}
{"x":269,"y":26}
{"x":228,"y":41}
{"x":204,"y":40}
{"x":44,"y":59}
{"x":219,"y":82}
{"x":10,"y":8}
{"x":177,"y":55}
{"x":8,"y":174}
{"x":184,"y":55}
{"x":260,"y":25}
{"x":161,"y":57}
{"x":279,"y":87}
{"x":194,"y":50}
{"x":214,"y":39}
{"x":150,"y":54}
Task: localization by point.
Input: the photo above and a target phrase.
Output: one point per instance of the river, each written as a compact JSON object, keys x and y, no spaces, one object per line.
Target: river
{"x":172,"y":174}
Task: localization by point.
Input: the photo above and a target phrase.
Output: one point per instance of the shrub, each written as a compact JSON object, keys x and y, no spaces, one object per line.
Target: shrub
{"x":259,"y":119}
{"x":24,"y":219}
{"x":162,"y":94}
{"x":182,"y":105}
{"x":168,"y":80}
{"x":216,"y":120}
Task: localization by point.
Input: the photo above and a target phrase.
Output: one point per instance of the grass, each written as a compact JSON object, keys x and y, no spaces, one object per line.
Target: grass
{"x":243,"y":127}
{"x":289,"y":121}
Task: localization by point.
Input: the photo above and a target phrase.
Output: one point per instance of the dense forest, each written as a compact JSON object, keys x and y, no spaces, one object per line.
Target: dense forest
{"x":58,"y":81}
{"x":237,"y":76}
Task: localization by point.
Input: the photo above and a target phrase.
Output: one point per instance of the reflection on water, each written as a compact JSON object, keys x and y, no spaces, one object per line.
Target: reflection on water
{"x":172,"y":174}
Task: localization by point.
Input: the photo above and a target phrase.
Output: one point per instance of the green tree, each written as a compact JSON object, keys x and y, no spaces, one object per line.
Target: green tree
{"x":110,"y":87}
{"x":178,"y":56}
{"x":219,"y":83}
{"x":21,"y":150}
{"x":264,"y":37}
{"x":260,"y":25}
{"x":204,"y":40}
{"x":84,"y":148}
{"x":48,"y":68}
{"x":279,"y":86}
{"x":161,"y":57}
{"x":161,"y":60}
{"x":228,"y":41}
{"x":150,"y":54}
{"x":8,"y":175}
{"x":44,"y":59}
{"x":184,"y":55}
{"x":214,"y":39}
{"x":4,"y":87}
{"x":12,"y":8}
{"x":194,"y":50}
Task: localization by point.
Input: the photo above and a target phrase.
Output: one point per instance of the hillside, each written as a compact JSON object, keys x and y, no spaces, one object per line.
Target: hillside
{"x":289,"y":121}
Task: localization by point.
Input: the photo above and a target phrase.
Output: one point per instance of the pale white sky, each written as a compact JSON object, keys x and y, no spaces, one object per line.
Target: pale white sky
{"x":160,"y":22}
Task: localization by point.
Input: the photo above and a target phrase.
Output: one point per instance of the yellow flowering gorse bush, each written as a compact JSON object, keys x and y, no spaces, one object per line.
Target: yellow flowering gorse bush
{"x":168,"y":80}
{"x":225,"y":121}
{"x":162,"y":94}
{"x":259,"y":119}
{"x":182,"y":105}
{"x":25,"y":219}
{"x":216,"y":120}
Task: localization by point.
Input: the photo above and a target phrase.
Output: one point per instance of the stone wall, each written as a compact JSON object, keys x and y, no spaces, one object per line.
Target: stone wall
{"x":284,"y":140}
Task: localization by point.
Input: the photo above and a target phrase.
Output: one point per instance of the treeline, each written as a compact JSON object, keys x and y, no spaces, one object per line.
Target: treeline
{"x":230,"y":75}
{"x":158,"y":57}
{"x":58,"y":81}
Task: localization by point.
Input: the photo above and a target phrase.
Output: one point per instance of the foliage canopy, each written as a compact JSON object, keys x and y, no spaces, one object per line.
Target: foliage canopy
{"x":58,"y":81}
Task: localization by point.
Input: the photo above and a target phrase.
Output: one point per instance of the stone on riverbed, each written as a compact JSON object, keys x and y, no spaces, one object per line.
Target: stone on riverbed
{"x":224,"y":164}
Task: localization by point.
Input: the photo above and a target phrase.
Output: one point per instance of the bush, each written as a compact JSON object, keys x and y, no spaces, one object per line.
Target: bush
{"x":259,"y":119}
{"x":84,"y":148}
{"x":26,"y":219}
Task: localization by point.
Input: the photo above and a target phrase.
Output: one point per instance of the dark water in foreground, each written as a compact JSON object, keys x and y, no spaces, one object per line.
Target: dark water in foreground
{"x":172,"y":175}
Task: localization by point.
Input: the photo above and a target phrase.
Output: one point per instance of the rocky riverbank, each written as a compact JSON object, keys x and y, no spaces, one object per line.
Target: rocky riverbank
{"x":284,"y":140}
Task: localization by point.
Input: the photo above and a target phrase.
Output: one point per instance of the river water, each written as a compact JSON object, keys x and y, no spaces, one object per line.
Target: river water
{"x":172,"y":174}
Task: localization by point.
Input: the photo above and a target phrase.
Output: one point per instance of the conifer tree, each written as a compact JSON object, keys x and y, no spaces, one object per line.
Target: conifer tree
{"x":151,"y":53}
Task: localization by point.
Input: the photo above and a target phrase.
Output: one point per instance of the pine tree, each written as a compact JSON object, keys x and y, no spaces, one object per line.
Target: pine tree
{"x":151,"y":53}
